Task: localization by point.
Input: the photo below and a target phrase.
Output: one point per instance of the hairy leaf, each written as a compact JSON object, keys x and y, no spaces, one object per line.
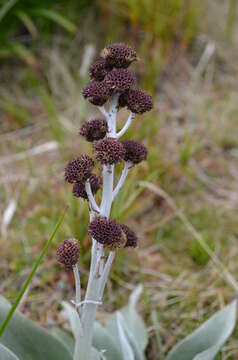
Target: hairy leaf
{"x":28,"y":340}
{"x":132,"y":324}
{"x":103,"y":340}
{"x":205,"y":342}
{"x":6,"y":354}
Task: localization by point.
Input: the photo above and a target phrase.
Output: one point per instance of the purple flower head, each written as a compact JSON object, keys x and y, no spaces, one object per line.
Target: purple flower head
{"x":79,"y":169}
{"x":95,"y":129}
{"x":119,"y":80}
{"x":106,"y":232}
{"x":99,"y":70}
{"x":97,"y":92}
{"x":131,"y":238}
{"x":79,"y":186}
{"x":138,"y":101}
{"x":68,"y":253}
{"x":119,"y":55}
{"x":134,"y":151}
{"x":109,"y":151}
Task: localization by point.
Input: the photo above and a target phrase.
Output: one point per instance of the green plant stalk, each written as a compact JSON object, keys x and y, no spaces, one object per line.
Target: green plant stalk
{"x":31,"y":275}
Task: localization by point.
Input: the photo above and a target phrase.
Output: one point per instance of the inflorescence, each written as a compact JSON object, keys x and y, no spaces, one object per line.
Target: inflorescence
{"x":108,"y":76}
{"x":79,"y":186}
{"x":106,"y":232}
{"x":79,"y":169}
{"x":109,"y":151}
{"x":95,"y":129}
{"x":134,"y":151}
{"x":137,"y":101}
{"x":119,"y":55}
{"x":68,"y":253}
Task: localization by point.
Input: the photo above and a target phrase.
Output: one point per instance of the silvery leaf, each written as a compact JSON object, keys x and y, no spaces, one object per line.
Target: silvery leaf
{"x":65,"y":338}
{"x":103,"y":340}
{"x":28,"y":340}
{"x":205,"y":342}
{"x":73,"y":319}
{"x":132,"y":325}
{"x":127,"y":351}
{"x":6,"y":354}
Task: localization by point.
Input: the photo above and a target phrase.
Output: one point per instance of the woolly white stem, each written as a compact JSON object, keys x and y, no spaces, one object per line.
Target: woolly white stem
{"x":106,"y":271}
{"x":126,"y":126}
{"x":97,"y":269}
{"x":90,"y":305}
{"x":77,"y":283}
{"x":103,"y":111}
{"x":91,"y":199}
{"x":122,"y":179}
{"x":112,"y":116}
{"x":107,"y":193}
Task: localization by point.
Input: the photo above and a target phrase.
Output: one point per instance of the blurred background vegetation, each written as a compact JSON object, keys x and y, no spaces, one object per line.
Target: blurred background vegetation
{"x":188,"y":61}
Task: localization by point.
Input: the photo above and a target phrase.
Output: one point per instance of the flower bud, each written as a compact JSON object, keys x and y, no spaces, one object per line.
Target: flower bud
{"x":119,"y":80}
{"x":131,"y":238}
{"x":99,"y":70}
{"x":79,"y":169}
{"x":119,"y":55}
{"x":79,"y":186}
{"x":109,"y":151}
{"x":106,"y":232}
{"x":134,"y":151}
{"x":97,"y":92}
{"x":137,"y":101}
{"x":68,"y":253}
{"x":94,"y":129}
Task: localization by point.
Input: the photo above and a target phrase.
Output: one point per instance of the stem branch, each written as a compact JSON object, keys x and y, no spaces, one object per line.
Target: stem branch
{"x":122,"y":179}
{"x":126,"y":126}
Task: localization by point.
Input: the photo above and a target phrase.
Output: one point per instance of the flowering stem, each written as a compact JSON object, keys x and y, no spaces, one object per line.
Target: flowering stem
{"x":98,"y":272}
{"x":77,"y":284}
{"x":126,"y":126}
{"x":91,"y":199}
{"x":103,"y":111}
{"x":106,"y":271}
{"x":120,"y":183}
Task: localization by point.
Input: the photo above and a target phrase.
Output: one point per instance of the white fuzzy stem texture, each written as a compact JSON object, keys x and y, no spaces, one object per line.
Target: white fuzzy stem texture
{"x":99,"y":270}
{"x":126,"y":126}
{"x":122,"y":179}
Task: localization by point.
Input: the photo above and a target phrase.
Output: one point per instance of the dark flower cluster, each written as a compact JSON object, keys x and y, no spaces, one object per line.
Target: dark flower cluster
{"x":106,"y":232}
{"x":68,"y":253}
{"x":95,"y":129}
{"x":108,"y":76}
{"x":134,"y":151}
{"x":119,"y":55}
{"x":99,"y":70}
{"x":112,"y":234}
{"x":119,"y":80}
{"x":79,"y":169}
{"x":79,"y":186}
{"x":131,"y":238}
{"x":137,"y":101}
{"x":97,"y":92}
{"x":109,"y":151}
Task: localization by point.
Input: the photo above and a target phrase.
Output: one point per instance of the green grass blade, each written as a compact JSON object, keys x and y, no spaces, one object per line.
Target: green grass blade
{"x":29,"y":24}
{"x":6,"y":7}
{"x":155,"y":321}
{"x":31,"y":275}
{"x":57,"y":18}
